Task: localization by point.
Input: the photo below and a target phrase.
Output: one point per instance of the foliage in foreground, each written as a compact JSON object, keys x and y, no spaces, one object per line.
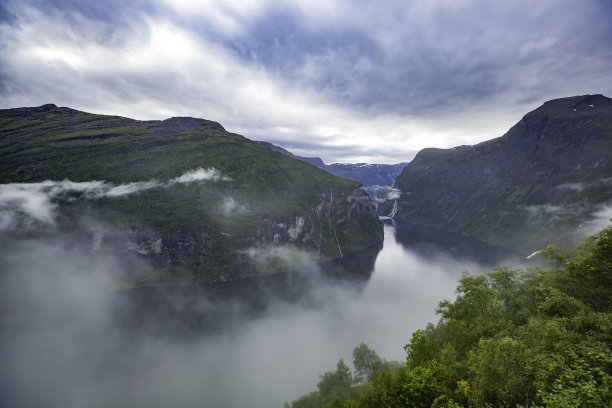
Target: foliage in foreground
{"x":512,"y":338}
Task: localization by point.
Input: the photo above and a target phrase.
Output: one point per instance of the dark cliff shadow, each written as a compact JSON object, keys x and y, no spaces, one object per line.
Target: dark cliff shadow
{"x":431,"y":242}
{"x":355,"y":268}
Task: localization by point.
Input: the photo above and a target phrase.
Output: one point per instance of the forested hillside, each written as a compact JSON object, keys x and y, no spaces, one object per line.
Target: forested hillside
{"x":539,"y":337}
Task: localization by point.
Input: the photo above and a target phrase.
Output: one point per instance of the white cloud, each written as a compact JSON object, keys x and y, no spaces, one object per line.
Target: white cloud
{"x":122,"y":189}
{"x":600,"y":219}
{"x":548,"y":209}
{"x":31,"y":199}
{"x":232,"y":207}
{"x":23,"y":203}
{"x":572,"y":186}
{"x":287,"y":258}
{"x":200,"y":175}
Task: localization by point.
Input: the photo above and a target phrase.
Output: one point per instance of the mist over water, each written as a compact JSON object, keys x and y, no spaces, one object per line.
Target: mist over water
{"x":62,"y":343}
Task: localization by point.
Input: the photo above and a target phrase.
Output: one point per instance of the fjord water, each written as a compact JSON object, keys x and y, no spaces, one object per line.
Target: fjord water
{"x":68,"y":346}
{"x":417,"y":268}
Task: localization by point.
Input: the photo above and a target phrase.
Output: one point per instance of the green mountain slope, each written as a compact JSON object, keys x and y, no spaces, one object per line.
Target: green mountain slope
{"x":200,"y":231}
{"x":539,"y":183}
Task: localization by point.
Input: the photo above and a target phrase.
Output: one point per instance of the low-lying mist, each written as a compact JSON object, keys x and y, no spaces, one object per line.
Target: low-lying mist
{"x":66,"y":342}
{"x":28,"y":205}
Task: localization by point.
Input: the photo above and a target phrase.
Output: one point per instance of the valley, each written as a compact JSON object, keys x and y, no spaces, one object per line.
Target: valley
{"x":164,"y":247}
{"x":305,"y":204}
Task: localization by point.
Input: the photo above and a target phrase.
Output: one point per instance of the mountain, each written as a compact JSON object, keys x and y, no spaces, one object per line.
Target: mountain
{"x":371,"y":176}
{"x":188,"y":201}
{"x":315,"y":161}
{"x":549,"y":176}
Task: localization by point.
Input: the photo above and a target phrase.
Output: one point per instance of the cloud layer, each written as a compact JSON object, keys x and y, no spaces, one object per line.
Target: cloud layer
{"x":372,"y":81}
{"x":22,"y":203}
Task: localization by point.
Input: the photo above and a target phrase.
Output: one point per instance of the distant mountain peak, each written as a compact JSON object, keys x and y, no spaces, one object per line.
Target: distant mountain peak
{"x":371,"y":176}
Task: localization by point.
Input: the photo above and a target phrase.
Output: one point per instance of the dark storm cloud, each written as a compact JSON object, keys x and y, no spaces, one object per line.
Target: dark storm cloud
{"x":408,"y":74}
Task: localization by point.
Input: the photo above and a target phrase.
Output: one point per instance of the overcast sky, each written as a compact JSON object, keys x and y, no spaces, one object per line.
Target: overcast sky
{"x":347,"y":81}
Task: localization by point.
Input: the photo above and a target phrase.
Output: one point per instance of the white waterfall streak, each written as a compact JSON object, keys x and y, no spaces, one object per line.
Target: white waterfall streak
{"x":394,"y":210}
{"x":331,"y":202}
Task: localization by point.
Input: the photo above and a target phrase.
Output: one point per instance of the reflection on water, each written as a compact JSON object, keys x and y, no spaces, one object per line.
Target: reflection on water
{"x":417,"y":268}
{"x":431,"y":242}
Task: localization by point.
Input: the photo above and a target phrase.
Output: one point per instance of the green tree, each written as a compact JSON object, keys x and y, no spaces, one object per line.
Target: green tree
{"x":501,"y":373}
{"x":336,"y":383}
{"x":586,"y":271}
{"x":422,"y":385}
{"x":421,"y":349}
{"x":590,"y":273}
{"x":585,"y":383}
{"x":385,"y":390}
{"x":367,"y":363}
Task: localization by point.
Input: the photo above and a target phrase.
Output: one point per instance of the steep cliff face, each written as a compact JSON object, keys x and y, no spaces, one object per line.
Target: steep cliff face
{"x":331,"y":229}
{"x":180,"y":200}
{"x":539,"y":183}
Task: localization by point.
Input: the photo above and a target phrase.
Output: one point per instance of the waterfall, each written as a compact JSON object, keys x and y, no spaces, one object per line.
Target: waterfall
{"x":331,"y":202}
{"x":394,"y":210}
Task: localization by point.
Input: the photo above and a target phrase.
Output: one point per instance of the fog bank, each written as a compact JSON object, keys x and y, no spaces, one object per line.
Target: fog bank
{"x":62,"y":343}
